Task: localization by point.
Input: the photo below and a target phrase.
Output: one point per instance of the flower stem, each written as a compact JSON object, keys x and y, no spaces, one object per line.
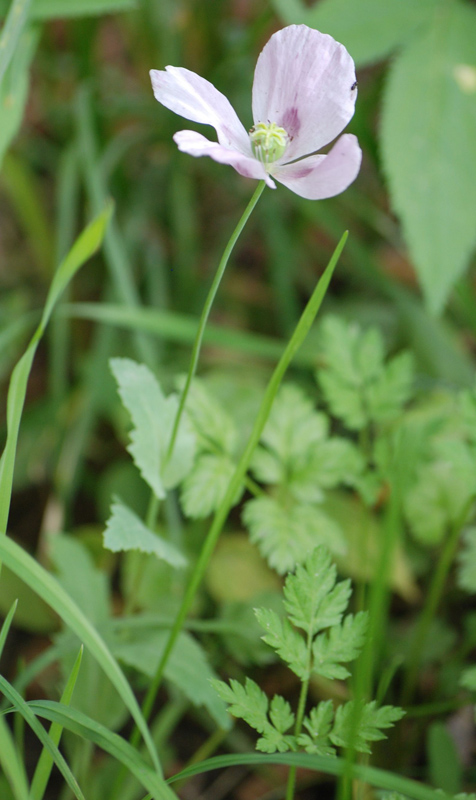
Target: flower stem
{"x":221,"y":514}
{"x":206,"y":312}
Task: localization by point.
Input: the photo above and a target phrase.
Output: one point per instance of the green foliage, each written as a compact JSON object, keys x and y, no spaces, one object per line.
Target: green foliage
{"x":286,"y":532}
{"x":153,"y":416}
{"x":126,"y":531}
{"x":442,"y":491}
{"x":359,"y":388}
{"x":467,"y":562}
{"x":250,"y":703}
{"x":370,"y":30}
{"x":314,"y":603}
{"x":444,"y":764}
{"x":356,"y":727}
{"x":431,"y":87}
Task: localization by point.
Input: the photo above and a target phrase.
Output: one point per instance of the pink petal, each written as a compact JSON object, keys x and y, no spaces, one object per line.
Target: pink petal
{"x":197,"y":145}
{"x":305,"y":82}
{"x":197,"y":99}
{"x":318,"y":177}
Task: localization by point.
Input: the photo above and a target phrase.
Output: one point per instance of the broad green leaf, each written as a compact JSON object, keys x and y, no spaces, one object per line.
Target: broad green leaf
{"x":48,"y":9}
{"x":343,"y":643}
{"x":23,"y":708}
{"x":369,"y":29}
{"x":14,"y":89}
{"x":153,"y":417}
{"x":313,"y":601}
{"x":467,"y":562}
{"x":444,"y":764}
{"x":187,"y":668}
{"x":12,"y":764}
{"x":11,"y":32}
{"x":356,"y":727}
{"x":52,"y":593}
{"x":319,"y":725}
{"x":90,"y":730}
{"x":237,"y":572}
{"x":285,"y":534}
{"x":468,"y":679}
{"x":205,"y":486}
{"x":126,"y":531}
{"x":428,"y":140}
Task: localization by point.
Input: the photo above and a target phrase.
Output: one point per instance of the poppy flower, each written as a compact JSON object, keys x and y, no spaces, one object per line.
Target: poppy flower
{"x":304,"y":93}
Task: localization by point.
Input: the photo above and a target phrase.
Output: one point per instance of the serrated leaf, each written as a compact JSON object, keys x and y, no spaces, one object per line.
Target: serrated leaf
{"x":126,"y":531}
{"x":312,"y":599}
{"x":205,"y":486}
{"x":288,"y":643}
{"x":441,"y":492}
{"x":286,"y":534}
{"x":319,"y":725}
{"x":153,"y":417}
{"x":428,"y":137}
{"x":357,"y":384}
{"x":369,"y":29}
{"x":467,"y":562}
{"x":213,"y":426}
{"x":340,"y":645}
{"x":280,"y":714}
{"x":355,"y":727}
{"x":247,"y":702}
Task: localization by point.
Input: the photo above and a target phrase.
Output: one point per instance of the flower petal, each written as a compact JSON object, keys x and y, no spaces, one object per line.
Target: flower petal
{"x":318,"y":177}
{"x":197,"y":145}
{"x":305,"y":82}
{"x":196,"y":99}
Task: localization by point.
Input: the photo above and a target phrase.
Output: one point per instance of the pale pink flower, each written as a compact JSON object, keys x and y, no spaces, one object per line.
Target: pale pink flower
{"x":304,"y":93}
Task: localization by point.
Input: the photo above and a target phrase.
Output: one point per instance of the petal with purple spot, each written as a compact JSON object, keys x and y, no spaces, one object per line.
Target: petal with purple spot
{"x":318,"y":177}
{"x":305,"y":82}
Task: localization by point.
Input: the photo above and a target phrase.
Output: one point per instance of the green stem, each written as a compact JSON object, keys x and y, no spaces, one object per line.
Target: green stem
{"x":291,"y":787}
{"x":206,"y":312}
{"x":300,"y":333}
{"x":433,"y":599}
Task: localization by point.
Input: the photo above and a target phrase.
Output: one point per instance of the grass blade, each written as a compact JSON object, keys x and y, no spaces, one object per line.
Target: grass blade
{"x":11,"y":764}
{"x":45,"y":762}
{"x":22,"y":707}
{"x":112,"y":743}
{"x":48,"y":588}
{"x":84,"y":247}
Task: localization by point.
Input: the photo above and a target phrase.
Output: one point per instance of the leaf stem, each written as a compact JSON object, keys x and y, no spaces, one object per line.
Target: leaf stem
{"x":300,"y":333}
{"x":432,"y":602}
{"x":291,"y":787}
{"x":206,"y":312}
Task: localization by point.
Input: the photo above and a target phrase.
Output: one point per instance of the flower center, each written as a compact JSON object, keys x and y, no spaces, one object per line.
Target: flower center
{"x":268,"y":141}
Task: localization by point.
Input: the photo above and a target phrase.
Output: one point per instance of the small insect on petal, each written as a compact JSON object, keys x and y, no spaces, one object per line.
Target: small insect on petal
{"x":354,"y":86}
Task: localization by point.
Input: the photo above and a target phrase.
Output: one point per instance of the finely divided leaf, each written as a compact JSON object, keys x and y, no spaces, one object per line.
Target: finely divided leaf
{"x":213,"y":426}
{"x":285,"y":534}
{"x":319,"y":725}
{"x":153,"y":417}
{"x":126,"y":531}
{"x":288,"y":643}
{"x":205,"y":486}
{"x":354,"y":727}
{"x":428,"y":140}
{"x":312,"y":599}
{"x":340,"y":645}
